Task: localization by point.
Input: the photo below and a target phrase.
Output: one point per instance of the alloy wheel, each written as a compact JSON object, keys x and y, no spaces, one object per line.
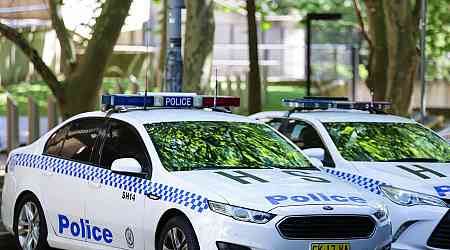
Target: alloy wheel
{"x":28,"y":226}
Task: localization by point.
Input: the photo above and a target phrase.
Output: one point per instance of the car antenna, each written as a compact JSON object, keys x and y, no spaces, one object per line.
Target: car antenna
{"x":147,"y":55}
{"x":216,"y":92}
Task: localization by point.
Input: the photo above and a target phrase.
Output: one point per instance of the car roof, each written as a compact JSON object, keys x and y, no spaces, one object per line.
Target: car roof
{"x":156,"y":115}
{"x":335,"y":115}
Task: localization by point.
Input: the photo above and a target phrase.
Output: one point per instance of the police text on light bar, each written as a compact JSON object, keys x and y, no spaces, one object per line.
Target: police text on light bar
{"x":170,"y":100}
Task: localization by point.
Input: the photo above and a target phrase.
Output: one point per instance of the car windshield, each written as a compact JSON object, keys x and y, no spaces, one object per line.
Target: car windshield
{"x":407,"y":142}
{"x":206,"y":145}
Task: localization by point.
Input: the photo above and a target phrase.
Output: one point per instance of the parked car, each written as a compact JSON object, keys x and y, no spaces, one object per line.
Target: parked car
{"x":171,"y":175}
{"x":400,"y":161}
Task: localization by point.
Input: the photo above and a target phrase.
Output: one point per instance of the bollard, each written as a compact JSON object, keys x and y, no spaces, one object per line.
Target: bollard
{"x":229,"y":90}
{"x":12,"y":123}
{"x":52,"y":112}
{"x":33,"y":120}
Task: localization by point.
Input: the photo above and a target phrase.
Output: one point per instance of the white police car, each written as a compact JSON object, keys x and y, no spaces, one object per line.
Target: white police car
{"x":176,"y":177}
{"x":383,"y":154}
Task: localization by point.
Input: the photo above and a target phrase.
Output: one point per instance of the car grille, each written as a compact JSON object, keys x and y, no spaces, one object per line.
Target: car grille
{"x":327,"y":227}
{"x":440,"y":236}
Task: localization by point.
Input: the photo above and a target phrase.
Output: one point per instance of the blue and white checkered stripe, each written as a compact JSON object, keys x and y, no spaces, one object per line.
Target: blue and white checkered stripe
{"x":107,"y":177}
{"x":369,"y":184}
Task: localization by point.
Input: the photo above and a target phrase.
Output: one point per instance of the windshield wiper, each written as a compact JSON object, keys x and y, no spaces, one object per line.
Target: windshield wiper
{"x":293,"y":167}
{"x":225,"y":167}
{"x":412,"y":159}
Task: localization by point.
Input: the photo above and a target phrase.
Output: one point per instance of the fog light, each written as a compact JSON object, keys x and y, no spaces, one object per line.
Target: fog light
{"x":230,"y":246}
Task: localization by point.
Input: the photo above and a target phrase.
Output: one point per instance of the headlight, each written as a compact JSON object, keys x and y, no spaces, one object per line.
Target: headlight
{"x":239,"y":213}
{"x":410,"y":198}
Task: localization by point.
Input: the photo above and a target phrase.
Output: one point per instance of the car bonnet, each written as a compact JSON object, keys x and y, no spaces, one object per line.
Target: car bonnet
{"x":266,"y":189}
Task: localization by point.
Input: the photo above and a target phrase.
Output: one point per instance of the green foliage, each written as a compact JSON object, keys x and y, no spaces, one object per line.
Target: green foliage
{"x":387,"y":142}
{"x":438,"y":39}
{"x":184,"y":146}
{"x":276,"y":93}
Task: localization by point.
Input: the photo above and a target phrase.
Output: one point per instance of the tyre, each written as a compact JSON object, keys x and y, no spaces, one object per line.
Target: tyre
{"x":30,"y":228}
{"x":178,"y":234}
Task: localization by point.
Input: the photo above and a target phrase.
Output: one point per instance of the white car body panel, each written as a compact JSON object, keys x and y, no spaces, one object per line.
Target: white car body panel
{"x":431,"y":178}
{"x":72,"y":194}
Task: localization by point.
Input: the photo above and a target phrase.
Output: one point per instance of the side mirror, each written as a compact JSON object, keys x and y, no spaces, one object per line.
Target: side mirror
{"x":126,"y":166}
{"x":316,"y":162}
{"x":317,"y":153}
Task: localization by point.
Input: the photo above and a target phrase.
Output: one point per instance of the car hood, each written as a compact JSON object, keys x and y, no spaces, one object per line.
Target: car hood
{"x":428,"y":178}
{"x":266,"y":189}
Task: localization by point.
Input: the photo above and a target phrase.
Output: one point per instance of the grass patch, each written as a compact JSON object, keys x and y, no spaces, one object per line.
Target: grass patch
{"x":276,"y":93}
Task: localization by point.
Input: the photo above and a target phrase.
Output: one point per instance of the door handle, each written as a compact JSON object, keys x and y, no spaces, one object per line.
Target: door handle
{"x":48,"y":172}
{"x":95,"y":183}
{"x":153,"y":197}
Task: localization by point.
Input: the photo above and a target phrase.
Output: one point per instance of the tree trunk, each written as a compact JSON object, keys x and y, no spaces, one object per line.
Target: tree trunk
{"x":163,"y":47}
{"x":254,"y":80}
{"x":378,"y":55}
{"x":402,"y":34}
{"x":198,"y":44}
{"x":82,"y":87}
{"x":393,"y":59}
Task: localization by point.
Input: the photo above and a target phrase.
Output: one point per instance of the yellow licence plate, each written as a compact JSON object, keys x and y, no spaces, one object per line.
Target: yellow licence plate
{"x":330,"y":246}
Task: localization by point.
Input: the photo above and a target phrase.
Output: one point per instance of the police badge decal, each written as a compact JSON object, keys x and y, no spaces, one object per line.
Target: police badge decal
{"x":129,"y":237}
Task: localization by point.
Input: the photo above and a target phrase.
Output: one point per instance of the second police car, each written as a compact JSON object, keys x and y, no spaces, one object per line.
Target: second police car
{"x":175,"y":177}
{"x":394,"y":158}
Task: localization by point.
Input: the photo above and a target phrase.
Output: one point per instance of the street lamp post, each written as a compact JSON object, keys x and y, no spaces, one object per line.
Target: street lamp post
{"x":174,"y":63}
{"x":309,"y":18}
{"x":423,"y":59}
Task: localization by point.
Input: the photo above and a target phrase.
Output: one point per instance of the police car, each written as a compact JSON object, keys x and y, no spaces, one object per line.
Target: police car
{"x":170,"y":175}
{"x":396,"y":159}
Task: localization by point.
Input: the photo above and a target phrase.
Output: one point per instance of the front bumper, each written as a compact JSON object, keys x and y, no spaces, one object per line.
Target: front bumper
{"x":218,"y":228}
{"x":413,"y":226}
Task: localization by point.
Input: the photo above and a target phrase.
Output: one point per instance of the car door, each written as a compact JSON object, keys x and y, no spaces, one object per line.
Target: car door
{"x":116,"y":204}
{"x":67,"y":158}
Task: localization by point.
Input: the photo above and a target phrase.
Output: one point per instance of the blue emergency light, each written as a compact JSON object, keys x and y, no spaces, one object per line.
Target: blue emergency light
{"x":309,"y":103}
{"x":169,"y":100}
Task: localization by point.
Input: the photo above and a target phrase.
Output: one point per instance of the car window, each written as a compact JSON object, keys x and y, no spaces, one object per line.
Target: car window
{"x":81,"y":138}
{"x":55,"y":143}
{"x":360,"y":141}
{"x":185,"y":146}
{"x":122,"y":141}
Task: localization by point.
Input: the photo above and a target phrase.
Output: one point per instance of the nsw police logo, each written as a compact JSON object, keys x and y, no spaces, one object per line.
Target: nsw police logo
{"x":129,"y":237}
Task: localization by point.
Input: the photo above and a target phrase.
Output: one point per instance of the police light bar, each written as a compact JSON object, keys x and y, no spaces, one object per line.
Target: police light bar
{"x":334,"y":103}
{"x":169,"y":100}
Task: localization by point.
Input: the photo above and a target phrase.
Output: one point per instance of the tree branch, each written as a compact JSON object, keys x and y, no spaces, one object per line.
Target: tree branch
{"x":100,"y":47}
{"x":64,"y":37}
{"x":46,"y":73}
{"x":361,"y":22}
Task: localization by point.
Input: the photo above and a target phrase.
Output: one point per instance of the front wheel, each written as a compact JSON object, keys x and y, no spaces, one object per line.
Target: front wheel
{"x":30,"y":228}
{"x":178,"y":234}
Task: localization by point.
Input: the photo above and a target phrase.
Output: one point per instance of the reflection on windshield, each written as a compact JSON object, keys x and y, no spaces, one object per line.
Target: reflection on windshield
{"x":359,"y":141}
{"x":184,"y":146}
